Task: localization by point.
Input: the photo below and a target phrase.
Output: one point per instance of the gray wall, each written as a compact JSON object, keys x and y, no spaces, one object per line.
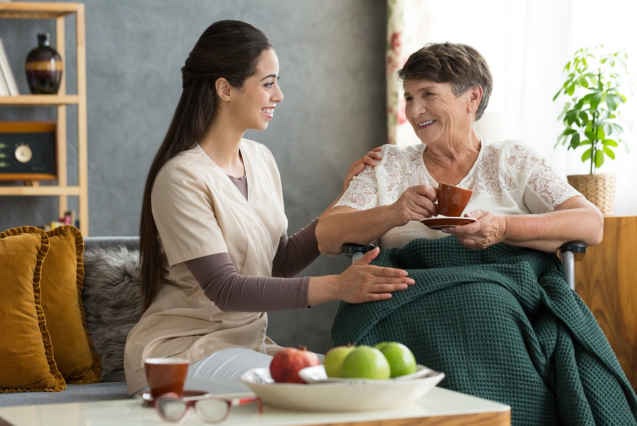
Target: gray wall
{"x":332,"y":75}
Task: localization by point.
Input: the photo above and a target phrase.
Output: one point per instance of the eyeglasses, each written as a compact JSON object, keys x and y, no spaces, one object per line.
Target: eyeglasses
{"x":210,"y":409}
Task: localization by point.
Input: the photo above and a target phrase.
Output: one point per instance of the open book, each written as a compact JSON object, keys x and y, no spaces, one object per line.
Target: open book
{"x":8,"y":85}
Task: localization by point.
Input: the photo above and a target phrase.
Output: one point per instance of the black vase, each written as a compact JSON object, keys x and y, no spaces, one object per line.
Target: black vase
{"x":44,"y":68}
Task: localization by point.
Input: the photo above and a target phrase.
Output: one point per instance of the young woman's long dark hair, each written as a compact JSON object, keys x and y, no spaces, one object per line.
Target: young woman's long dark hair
{"x":228,"y":49}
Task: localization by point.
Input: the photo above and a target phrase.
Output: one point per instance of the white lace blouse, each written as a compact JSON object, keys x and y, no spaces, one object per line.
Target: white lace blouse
{"x":507,"y":179}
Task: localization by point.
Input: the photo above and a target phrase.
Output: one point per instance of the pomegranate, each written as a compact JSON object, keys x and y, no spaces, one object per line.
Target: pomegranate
{"x":287,"y":363}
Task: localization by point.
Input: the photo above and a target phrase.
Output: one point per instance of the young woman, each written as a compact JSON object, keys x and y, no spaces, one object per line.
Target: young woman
{"x":214,"y":245}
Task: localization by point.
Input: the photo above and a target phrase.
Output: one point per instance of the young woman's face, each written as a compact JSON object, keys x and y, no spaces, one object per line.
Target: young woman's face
{"x":434,"y":110}
{"x":255,"y":102}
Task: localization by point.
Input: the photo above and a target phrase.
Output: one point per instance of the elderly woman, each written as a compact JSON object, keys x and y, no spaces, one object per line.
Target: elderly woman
{"x":497,"y":319}
{"x":517,"y":198}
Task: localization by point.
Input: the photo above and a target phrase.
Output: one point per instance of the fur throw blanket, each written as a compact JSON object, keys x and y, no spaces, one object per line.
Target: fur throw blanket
{"x":112,"y":303}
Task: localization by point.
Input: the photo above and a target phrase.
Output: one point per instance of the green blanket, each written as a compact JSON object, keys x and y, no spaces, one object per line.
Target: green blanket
{"x":502,"y":324}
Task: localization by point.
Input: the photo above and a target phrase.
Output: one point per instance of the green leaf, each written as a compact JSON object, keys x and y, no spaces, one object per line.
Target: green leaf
{"x":620,"y":99}
{"x":600,"y":133}
{"x":584,"y":117}
{"x":599,"y":158}
{"x":587,"y":154}
{"x":567,"y":106}
{"x":571,"y":89}
{"x":587,"y":98}
{"x":583,"y":82}
{"x":609,"y":142}
{"x":568,"y":66}
{"x":609,"y":152}
{"x":610,"y":101}
{"x":571,"y":116}
{"x":557,"y":94}
{"x":579,"y":104}
{"x":595,"y":100}
{"x":585,"y":142}
{"x":617,"y":128}
{"x":569,"y":131}
{"x":574,"y":141}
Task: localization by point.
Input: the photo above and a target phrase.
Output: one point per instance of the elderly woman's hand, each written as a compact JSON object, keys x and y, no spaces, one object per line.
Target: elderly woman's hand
{"x":358,"y":165}
{"x":416,"y":203}
{"x":487,"y":230}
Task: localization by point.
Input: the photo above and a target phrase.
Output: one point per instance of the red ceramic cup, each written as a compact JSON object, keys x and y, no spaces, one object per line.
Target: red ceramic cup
{"x":452,"y":200}
{"x":166,"y":375}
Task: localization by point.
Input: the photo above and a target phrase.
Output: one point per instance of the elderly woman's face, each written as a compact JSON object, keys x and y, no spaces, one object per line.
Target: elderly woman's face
{"x":435,"y":112}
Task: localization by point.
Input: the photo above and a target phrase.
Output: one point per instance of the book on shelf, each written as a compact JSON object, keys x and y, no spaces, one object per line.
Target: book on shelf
{"x":51,"y":226}
{"x":4,"y":89}
{"x":5,"y":70}
{"x":67,"y":219}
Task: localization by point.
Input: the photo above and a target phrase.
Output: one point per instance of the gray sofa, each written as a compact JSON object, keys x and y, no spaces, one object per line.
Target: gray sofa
{"x":112,"y":305}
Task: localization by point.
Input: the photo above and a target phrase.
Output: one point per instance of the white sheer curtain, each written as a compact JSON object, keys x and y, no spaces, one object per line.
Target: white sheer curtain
{"x":526,"y":43}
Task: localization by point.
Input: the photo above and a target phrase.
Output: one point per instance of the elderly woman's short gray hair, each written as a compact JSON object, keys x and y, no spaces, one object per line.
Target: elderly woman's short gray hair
{"x":461,"y":65}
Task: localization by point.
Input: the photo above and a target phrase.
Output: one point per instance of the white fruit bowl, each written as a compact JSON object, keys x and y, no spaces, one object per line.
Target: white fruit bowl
{"x":340,"y":394}
{"x":318,"y":375}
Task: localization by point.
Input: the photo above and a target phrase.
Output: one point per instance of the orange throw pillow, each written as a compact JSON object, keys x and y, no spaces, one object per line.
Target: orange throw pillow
{"x":26,"y":355}
{"x":62,"y":282}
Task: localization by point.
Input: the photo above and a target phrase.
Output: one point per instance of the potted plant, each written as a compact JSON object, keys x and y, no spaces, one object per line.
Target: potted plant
{"x":591,"y":117}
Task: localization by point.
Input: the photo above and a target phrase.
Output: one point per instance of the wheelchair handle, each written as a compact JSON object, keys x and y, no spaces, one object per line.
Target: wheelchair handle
{"x":356,"y":251}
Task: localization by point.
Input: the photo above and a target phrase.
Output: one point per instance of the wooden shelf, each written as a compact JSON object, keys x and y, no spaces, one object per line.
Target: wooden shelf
{"x":35,"y":100}
{"x":58,"y":12}
{"x":40,"y":190}
{"x":18,"y":10}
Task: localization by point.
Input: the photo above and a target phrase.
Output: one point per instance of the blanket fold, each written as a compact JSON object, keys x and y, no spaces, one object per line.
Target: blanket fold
{"x":502,"y":324}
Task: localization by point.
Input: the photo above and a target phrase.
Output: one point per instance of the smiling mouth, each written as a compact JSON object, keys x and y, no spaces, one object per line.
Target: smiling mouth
{"x":426,"y":124}
{"x":268,"y":111}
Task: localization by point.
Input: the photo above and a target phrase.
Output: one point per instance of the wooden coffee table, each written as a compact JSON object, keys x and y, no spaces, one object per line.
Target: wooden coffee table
{"x":439,"y":407}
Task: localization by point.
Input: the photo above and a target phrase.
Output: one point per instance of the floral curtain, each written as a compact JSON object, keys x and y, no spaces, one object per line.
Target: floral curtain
{"x":407,"y":25}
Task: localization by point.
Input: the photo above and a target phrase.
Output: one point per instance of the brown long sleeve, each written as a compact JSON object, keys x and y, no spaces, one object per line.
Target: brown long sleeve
{"x":296,"y":253}
{"x":231,"y":291}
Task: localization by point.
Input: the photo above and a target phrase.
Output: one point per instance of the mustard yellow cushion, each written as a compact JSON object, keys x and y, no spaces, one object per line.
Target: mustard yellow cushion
{"x":26,"y":354}
{"x":62,"y":282}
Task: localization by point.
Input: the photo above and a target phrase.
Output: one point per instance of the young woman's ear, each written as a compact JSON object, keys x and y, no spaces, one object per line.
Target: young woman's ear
{"x":223,"y":89}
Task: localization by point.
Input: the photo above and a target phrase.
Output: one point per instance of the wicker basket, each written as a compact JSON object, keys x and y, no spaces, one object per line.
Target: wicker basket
{"x":598,"y":189}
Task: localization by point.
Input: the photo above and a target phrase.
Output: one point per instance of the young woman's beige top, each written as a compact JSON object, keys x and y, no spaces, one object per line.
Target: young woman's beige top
{"x":199,"y":212}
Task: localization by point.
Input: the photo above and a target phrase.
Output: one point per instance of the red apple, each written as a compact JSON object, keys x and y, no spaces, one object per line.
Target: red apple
{"x":287,"y":363}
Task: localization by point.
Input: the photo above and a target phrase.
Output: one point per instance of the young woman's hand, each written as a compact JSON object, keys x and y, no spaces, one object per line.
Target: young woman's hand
{"x":416,"y":203}
{"x":363,"y":282}
{"x":358,"y":165}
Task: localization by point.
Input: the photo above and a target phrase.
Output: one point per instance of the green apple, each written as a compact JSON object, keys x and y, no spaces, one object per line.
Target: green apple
{"x":365,"y":362}
{"x":334,"y":360}
{"x":381,"y":345}
{"x":401,"y":360}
